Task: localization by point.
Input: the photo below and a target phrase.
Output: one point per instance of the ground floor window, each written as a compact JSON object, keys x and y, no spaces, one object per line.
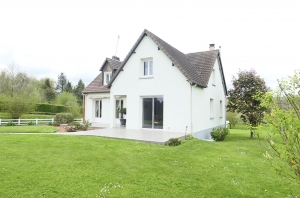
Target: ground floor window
{"x":153,"y":111}
{"x":119,"y":105}
{"x":98,"y":108}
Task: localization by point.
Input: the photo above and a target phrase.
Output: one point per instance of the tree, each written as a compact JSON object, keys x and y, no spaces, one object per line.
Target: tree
{"x":19,"y":92}
{"x":242,"y":98}
{"x":69,"y":87}
{"x":232,"y":118}
{"x":61,"y":82}
{"x":49,"y":93}
{"x":78,"y":91}
{"x":285,"y":124}
{"x":69,"y":100}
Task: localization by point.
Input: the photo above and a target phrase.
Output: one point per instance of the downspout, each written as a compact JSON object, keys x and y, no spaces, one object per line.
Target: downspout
{"x":83,"y":96}
{"x":191,"y":102}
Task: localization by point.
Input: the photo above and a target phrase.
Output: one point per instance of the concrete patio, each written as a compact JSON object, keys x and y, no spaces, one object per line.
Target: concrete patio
{"x":153,"y":136}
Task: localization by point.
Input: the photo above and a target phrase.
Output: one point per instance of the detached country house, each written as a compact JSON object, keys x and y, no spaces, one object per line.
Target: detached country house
{"x":161,"y":88}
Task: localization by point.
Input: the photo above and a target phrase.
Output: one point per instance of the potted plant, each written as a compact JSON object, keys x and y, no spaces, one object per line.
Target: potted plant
{"x":122,"y":111}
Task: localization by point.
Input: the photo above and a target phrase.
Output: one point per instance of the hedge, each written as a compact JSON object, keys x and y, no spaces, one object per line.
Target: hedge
{"x":50,"y":108}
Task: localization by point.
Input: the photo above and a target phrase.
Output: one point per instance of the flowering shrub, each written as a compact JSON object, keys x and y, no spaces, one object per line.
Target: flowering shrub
{"x":219,"y":134}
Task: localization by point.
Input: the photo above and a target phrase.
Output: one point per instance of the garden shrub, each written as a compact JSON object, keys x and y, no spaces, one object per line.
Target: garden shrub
{"x":85,"y":125}
{"x":30,"y":123}
{"x":219,"y":134}
{"x":10,"y":124}
{"x":64,"y":118}
{"x":49,"y":108}
{"x":173,"y":142}
{"x":70,"y":128}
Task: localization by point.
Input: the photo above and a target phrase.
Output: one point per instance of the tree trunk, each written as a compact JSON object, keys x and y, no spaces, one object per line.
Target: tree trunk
{"x":251,"y":134}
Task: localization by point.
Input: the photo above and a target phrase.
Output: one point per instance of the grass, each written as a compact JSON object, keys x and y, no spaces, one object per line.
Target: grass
{"x":73,"y":166}
{"x":28,"y":129}
{"x":4,"y":115}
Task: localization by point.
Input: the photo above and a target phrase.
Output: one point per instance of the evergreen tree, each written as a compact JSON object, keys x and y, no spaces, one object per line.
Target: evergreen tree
{"x":61,"y":82}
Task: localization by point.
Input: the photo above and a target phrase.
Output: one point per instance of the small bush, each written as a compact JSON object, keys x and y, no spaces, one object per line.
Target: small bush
{"x":219,"y":134}
{"x":55,"y":123}
{"x":30,"y":123}
{"x":10,"y":124}
{"x":85,"y":125}
{"x":70,"y":128}
{"x":173,"y":142}
{"x":64,"y":118}
{"x":189,"y":137}
{"x":50,"y":123}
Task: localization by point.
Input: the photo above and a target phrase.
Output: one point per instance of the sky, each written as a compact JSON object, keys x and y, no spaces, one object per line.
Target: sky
{"x":47,"y":37}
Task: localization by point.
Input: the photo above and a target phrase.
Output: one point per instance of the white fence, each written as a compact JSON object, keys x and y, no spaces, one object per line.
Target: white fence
{"x":36,"y":121}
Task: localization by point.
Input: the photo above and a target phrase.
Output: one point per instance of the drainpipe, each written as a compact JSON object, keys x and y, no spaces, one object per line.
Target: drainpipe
{"x":83,"y":96}
{"x":191,"y":102}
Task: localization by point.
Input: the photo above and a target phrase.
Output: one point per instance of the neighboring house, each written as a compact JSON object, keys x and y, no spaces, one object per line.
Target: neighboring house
{"x":161,"y":88}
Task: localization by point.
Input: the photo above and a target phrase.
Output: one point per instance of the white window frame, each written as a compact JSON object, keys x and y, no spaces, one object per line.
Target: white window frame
{"x":211,"y":108}
{"x":213,"y":77}
{"x":107,"y":77}
{"x":99,"y":115}
{"x":119,"y":105}
{"x":146,"y":73}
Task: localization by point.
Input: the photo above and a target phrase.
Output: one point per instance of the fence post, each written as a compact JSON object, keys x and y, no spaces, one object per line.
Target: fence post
{"x":19,"y":121}
{"x":0,"y":121}
{"x":36,"y":121}
{"x":52,"y":120}
{"x":81,"y":121}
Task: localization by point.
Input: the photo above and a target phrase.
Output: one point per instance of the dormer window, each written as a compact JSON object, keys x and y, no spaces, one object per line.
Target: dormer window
{"x":107,"y":77}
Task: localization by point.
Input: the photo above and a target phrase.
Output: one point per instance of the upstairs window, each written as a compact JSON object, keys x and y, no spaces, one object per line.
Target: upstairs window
{"x":107,"y":77}
{"x":148,"y":68}
{"x":211,"y":108}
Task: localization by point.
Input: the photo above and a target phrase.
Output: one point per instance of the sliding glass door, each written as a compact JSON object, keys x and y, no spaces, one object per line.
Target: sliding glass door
{"x":153,"y":109}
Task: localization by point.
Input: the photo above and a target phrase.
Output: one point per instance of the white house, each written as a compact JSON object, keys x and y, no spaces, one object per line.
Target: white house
{"x":161,"y":88}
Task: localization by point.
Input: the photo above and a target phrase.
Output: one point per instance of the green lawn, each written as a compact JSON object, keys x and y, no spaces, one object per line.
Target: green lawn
{"x":28,"y":129}
{"x":78,"y":166}
{"x":4,"y":115}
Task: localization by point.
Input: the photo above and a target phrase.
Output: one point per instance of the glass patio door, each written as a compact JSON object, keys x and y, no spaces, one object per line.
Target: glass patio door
{"x":153,"y":113}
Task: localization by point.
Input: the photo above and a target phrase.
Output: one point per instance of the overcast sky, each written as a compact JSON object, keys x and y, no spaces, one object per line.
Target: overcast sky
{"x":72,"y":36}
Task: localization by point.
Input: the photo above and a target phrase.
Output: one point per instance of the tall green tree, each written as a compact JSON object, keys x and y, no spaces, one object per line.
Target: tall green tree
{"x":49,"y":93}
{"x":78,"y":91}
{"x":61,"y":82}
{"x":69,"y":87}
{"x":242,"y":98}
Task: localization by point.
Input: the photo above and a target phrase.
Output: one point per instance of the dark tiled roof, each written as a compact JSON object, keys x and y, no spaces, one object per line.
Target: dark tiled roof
{"x":113,"y":63}
{"x":196,"y":67}
{"x":96,"y":86}
{"x":203,"y":63}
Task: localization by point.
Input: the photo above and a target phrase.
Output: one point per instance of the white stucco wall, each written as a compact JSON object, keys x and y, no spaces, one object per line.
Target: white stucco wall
{"x":167,"y":82}
{"x":202,"y":121}
{"x":90,"y":108}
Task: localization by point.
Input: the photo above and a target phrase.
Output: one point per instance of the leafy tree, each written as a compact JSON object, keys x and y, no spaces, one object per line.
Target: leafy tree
{"x":49,"y":93}
{"x":232,"y":118}
{"x":78,"y":91}
{"x":242,"y":100}
{"x":284,"y":123}
{"x":18,"y":92}
{"x":68,"y":99}
{"x":61,"y":82}
{"x":69,"y":87}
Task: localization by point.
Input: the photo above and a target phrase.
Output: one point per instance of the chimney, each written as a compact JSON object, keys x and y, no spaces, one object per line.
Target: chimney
{"x":116,"y":58}
{"x":211,"y":46}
